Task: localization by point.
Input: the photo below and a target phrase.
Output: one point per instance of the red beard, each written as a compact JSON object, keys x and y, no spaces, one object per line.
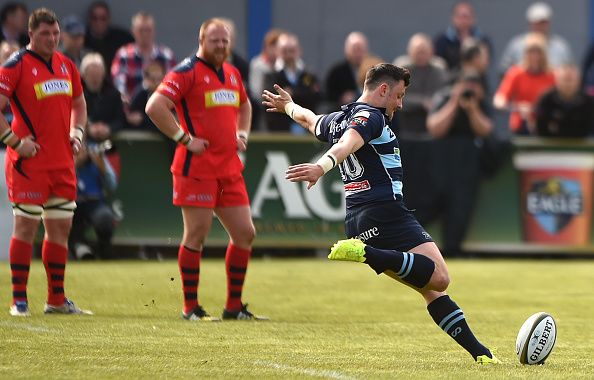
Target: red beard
{"x":215,"y":59}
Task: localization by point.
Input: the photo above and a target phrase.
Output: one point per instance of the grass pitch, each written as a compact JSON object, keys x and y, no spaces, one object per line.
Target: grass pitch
{"x":330,"y":320}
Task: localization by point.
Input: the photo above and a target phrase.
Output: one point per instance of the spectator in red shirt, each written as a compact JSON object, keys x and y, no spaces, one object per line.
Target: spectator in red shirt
{"x":524,"y":83}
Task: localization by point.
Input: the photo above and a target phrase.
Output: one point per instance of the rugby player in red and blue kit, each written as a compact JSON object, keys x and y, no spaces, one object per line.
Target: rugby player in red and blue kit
{"x":214,"y":123}
{"x":382,"y":232}
{"x":50,"y":113}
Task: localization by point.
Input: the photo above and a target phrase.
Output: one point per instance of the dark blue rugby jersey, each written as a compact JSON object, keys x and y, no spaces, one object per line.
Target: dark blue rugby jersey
{"x":374,"y":172}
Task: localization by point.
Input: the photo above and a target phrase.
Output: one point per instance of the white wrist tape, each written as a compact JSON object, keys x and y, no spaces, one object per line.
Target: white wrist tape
{"x":327,"y":162}
{"x":7,"y":136}
{"x":243,"y":134}
{"x":290,"y":109}
{"x":177,"y":136}
{"x":77,"y":133}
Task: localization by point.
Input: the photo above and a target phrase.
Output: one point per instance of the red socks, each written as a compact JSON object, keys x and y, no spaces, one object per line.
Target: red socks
{"x":54,"y":258}
{"x":189,"y":268}
{"x":20,"y":261}
{"x":236,"y":262}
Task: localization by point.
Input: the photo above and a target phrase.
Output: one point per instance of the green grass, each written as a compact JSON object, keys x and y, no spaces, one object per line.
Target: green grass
{"x":332,"y":320}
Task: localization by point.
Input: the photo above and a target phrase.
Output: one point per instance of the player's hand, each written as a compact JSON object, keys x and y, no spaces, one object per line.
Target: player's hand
{"x":304,"y":173}
{"x":241,"y":144}
{"x":276,"y":102}
{"x":27,"y":148}
{"x":197,"y":145}
{"x":76,"y":145}
{"x":81,"y":157}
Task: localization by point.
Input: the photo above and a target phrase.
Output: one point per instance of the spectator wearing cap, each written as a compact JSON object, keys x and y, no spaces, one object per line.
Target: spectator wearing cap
{"x":539,"y":16}
{"x":73,"y":39}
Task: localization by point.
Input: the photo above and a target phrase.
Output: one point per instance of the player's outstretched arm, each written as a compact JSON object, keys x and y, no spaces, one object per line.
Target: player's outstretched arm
{"x":282,"y":102}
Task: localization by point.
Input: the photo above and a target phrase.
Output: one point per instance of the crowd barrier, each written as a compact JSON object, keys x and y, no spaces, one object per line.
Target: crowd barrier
{"x":288,"y":215}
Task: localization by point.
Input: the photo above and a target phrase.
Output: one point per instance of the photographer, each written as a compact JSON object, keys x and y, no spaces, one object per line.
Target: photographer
{"x":459,"y":120}
{"x":96,"y":179}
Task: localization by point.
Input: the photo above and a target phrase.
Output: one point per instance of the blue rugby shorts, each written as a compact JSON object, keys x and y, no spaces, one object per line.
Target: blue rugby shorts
{"x":385,"y":225}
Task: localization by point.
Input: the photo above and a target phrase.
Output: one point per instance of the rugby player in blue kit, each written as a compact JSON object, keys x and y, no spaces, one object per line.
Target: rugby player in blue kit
{"x":382,"y":232}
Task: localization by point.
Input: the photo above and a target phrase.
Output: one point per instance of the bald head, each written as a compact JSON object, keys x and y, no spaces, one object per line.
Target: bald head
{"x":420,"y":49}
{"x":356,"y":48}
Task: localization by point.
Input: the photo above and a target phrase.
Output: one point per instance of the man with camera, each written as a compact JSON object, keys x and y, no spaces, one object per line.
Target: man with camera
{"x":459,"y":120}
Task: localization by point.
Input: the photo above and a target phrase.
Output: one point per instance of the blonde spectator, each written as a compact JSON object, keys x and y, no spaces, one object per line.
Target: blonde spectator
{"x":524,"y":83}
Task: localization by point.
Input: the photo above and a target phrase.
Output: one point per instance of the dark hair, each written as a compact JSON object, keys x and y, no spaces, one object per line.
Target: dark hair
{"x":42,"y":15}
{"x":98,"y":4}
{"x":10,"y":8}
{"x":386,"y":73}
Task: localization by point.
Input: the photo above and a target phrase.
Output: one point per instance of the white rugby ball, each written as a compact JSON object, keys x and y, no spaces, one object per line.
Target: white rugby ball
{"x":536,"y":339}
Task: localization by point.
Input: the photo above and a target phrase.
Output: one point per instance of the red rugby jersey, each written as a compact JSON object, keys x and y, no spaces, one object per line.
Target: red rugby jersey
{"x":207,"y":103}
{"x":41,"y":96}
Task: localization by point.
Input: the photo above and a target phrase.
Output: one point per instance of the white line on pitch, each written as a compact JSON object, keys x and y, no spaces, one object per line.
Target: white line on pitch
{"x":306,"y":371}
{"x":26,"y":327}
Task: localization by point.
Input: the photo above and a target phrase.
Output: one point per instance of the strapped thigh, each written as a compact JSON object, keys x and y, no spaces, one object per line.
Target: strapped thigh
{"x":58,"y":208}
{"x":27,"y":210}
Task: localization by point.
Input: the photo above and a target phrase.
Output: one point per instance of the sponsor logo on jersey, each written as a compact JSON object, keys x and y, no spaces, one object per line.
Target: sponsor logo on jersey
{"x":356,"y":187}
{"x":358,"y":121}
{"x":53,"y":87}
{"x":64,"y":69}
{"x":233,"y":80}
{"x":221,"y":98}
{"x":554,"y":202}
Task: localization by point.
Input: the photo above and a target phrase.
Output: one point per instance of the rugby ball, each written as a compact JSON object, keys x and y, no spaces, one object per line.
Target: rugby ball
{"x":536,"y":339}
